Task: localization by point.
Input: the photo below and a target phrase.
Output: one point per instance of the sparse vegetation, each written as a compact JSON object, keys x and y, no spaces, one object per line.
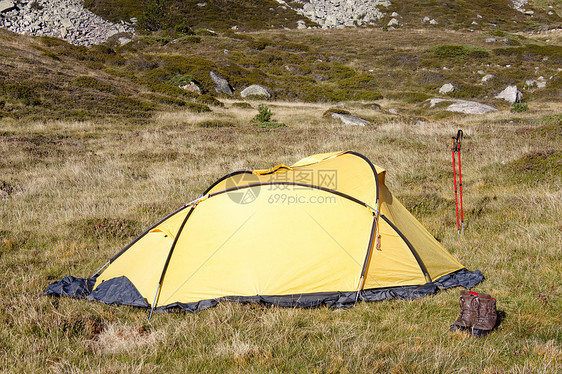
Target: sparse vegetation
{"x":101,"y":190}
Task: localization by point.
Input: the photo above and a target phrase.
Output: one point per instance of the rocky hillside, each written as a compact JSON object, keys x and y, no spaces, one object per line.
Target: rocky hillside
{"x":95,"y":21}
{"x":184,"y":63}
{"x":64,"y":19}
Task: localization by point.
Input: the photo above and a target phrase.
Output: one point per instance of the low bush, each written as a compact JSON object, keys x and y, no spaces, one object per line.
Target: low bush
{"x":242,"y":105}
{"x":197,"y":108}
{"x":519,"y":107}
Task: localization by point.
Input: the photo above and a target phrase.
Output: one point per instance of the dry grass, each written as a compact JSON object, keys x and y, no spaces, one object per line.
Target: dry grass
{"x":81,"y":190}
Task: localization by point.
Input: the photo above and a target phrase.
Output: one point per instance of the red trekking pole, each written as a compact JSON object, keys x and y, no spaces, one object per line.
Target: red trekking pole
{"x":459,"y":140}
{"x":456,"y":147}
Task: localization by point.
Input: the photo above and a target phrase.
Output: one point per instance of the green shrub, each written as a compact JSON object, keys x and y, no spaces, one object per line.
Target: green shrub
{"x":181,"y":80}
{"x":184,"y":29}
{"x":519,"y":107}
{"x":264,"y":114}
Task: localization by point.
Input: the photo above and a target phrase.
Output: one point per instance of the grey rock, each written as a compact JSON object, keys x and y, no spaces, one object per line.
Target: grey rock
{"x":510,"y":94}
{"x":221,"y":84}
{"x":446,"y":88}
{"x":487,"y":77}
{"x":433,"y":22}
{"x":6,"y":6}
{"x":464,"y":106}
{"x":349,"y":120}
{"x":255,"y":90}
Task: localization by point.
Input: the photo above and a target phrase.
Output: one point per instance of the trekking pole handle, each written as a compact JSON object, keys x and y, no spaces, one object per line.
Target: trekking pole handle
{"x":459,"y":138}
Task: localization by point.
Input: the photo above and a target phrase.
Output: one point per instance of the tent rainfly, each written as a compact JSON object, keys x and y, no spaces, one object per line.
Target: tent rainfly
{"x":324,"y":231}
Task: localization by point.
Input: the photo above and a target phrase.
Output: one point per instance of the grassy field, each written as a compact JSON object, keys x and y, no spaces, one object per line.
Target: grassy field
{"x":74,"y":192}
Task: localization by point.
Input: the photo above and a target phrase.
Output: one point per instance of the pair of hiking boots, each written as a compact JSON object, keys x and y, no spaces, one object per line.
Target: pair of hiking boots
{"x":478,"y":313}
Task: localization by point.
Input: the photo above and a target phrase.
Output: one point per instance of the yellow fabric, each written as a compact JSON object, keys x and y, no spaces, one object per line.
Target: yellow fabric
{"x":437,"y":260}
{"x":301,"y":248}
{"x":282,"y":239}
{"x":144,"y":261}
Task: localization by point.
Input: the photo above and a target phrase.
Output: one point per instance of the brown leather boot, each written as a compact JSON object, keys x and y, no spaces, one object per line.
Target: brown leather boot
{"x":469,"y":311}
{"x":487,"y":315}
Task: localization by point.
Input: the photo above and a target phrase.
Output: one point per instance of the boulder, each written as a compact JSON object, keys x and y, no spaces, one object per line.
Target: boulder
{"x":446,"y":88}
{"x":464,"y":106}
{"x":349,"y":120}
{"x":221,"y":84}
{"x":255,"y":90}
{"x":510,"y":94}
{"x":6,"y":5}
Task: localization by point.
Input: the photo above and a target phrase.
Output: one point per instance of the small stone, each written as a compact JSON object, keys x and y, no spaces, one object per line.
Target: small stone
{"x":349,"y":120}
{"x":446,"y":88}
{"x":433,"y":22}
{"x":393,"y":22}
{"x":487,"y":77}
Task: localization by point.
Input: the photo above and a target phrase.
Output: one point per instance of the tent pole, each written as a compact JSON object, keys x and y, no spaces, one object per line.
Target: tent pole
{"x":100,"y":269}
{"x":154,"y":302}
{"x":368,"y":254}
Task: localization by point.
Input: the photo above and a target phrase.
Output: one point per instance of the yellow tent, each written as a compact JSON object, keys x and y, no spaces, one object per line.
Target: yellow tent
{"x":324,"y":231}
